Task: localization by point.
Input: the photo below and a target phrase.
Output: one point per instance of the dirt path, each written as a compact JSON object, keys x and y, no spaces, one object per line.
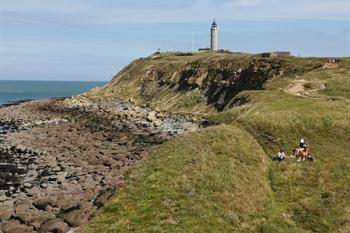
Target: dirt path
{"x":298,"y":88}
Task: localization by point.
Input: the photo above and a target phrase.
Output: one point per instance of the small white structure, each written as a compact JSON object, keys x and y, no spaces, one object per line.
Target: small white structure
{"x":214,"y":46}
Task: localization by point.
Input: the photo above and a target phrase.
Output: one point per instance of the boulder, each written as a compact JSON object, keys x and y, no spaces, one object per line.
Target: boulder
{"x":28,"y":214}
{"x":157,"y":123}
{"x":66,"y":202}
{"x":6,"y":211}
{"x":14,"y":226}
{"x":79,"y":216}
{"x":21,"y":148}
{"x":56,"y":225}
{"x":34,"y":192}
{"x":151,"y":116}
{"x":42,"y":203}
{"x":102,"y":199}
{"x":23,"y":206}
{"x":37,"y":221}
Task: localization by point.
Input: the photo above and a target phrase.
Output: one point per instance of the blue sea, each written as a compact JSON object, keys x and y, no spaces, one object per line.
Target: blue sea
{"x":22,"y":90}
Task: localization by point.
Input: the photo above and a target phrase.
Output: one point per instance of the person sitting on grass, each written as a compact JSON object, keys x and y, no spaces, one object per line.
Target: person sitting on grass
{"x":300,"y":150}
{"x":280,"y":155}
{"x":306,"y":154}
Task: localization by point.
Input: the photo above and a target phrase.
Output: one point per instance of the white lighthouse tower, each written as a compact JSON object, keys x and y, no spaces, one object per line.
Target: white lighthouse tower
{"x":214,"y":37}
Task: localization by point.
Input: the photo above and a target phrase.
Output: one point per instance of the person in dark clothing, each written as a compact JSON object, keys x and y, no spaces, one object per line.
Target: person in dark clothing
{"x":302,"y":143}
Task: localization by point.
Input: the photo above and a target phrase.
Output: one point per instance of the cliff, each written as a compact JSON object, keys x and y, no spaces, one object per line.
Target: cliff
{"x":197,"y":82}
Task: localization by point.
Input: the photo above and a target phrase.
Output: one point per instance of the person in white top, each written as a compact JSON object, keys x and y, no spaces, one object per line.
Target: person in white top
{"x":281,"y":155}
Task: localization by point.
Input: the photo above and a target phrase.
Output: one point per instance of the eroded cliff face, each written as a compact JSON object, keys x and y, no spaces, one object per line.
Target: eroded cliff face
{"x":222,"y":81}
{"x":177,"y":82}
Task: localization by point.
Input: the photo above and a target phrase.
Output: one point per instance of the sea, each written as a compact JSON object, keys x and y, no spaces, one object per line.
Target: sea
{"x":12,"y":91}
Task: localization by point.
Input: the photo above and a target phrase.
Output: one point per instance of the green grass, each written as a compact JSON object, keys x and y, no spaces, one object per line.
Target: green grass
{"x":214,"y":180}
{"x":339,"y":87}
{"x":308,"y":197}
{"x":223,"y":179}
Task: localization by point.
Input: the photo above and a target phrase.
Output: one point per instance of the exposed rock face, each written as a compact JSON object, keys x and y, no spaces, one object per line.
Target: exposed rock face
{"x":61,"y":160}
{"x":213,"y":79}
{"x":222,"y":81}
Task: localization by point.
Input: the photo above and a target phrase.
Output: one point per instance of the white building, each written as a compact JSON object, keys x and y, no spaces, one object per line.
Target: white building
{"x":214,"y":43}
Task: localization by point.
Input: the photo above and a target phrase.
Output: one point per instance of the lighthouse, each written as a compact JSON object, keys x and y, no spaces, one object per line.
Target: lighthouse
{"x":214,"y":37}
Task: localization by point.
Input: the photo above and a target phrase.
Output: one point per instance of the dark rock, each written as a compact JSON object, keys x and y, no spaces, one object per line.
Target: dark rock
{"x":79,"y":216}
{"x":56,"y":225}
{"x":102,"y":199}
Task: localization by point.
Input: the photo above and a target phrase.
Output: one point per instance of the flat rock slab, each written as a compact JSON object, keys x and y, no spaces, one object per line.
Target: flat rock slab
{"x":62,"y":160}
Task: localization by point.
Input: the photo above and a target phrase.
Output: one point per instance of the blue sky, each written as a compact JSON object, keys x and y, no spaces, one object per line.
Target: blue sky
{"x":94,"y":39}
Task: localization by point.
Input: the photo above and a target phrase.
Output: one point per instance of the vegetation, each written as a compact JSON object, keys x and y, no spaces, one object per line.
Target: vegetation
{"x":223,"y":179}
{"x":192,"y":184}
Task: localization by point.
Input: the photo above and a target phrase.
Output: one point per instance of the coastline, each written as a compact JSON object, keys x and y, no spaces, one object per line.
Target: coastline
{"x":62,"y":159}
{"x":13,"y":103}
{"x":21,"y":101}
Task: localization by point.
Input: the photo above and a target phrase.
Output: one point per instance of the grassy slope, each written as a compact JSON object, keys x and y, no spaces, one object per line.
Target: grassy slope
{"x":313,"y":196}
{"x":193,"y":183}
{"x":221,"y":179}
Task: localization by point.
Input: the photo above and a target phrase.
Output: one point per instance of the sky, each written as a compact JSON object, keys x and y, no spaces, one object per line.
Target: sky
{"x":92,"y":40}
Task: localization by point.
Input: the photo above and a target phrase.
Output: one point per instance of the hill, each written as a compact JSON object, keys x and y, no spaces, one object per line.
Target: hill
{"x":222,"y":178}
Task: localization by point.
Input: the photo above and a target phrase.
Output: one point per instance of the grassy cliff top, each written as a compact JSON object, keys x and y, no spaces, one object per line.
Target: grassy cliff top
{"x":223,"y":179}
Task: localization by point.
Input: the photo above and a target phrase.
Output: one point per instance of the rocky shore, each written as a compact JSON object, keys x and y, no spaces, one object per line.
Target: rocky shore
{"x":60,"y":160}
